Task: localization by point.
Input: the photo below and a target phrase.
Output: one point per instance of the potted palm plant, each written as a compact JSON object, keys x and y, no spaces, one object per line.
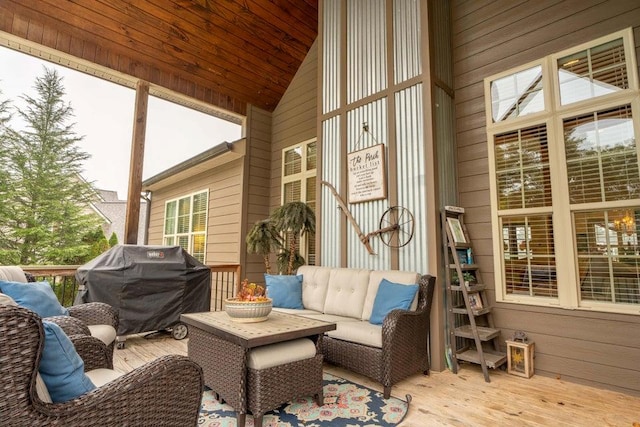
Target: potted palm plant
{"x":294,"y":220}
{"x":262,"y":239}
{"x":281,"y":233}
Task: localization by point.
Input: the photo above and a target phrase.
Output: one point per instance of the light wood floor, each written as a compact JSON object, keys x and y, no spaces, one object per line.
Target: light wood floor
{"x":446,"y":399}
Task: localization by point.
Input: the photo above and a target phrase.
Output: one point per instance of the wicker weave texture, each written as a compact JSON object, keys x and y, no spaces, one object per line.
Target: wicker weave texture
{"x":223,"y":364}
{"x":269,"y":388}
{"x":404,"y":352}
{"x":165,"y":392}
{"x":96,"y":313}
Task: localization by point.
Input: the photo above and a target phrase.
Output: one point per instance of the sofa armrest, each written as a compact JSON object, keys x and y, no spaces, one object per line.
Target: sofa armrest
{"x":95,"y":313}
{"x":70,"y":325}
{"x":166,"y":391}
{"x":93,"y":352}
{"x":407,"y":331}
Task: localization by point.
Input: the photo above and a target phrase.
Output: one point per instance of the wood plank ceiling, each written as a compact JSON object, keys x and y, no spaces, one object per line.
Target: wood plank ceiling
{"x":228,"y":53}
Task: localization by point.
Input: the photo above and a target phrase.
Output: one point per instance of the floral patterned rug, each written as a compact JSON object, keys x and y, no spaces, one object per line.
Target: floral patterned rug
{"x":345,"y":404}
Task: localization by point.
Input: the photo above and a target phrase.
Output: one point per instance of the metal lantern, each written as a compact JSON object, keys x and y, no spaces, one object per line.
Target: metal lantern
{"x":520,"y":355}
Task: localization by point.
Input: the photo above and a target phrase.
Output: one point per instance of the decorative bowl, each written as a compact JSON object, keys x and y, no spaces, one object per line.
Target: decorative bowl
{"x":247,"y":311}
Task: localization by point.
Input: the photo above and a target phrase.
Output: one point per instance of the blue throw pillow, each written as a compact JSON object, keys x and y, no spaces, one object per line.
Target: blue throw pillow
{"x":61,"y":367}
{"x":36,"y":296}
{"x":391,"y":296}
{"x":285,"y":290}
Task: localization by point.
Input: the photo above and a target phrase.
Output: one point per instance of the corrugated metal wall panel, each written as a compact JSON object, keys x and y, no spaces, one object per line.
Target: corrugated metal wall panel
{"x":331,"y":213}
{"x":406,"y":29}
{"x":411,"y":175}
{"x":366,"y":48}
{"x":443,"y":63}
{"x":367,"y":214}
{"x":331,"y":56}
{"x":446,"y":147}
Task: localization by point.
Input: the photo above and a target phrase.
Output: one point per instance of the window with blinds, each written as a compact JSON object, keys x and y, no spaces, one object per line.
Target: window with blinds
{"x":522,"y":168}
{"x":299,"y":184}
{"x":517,"y":94}
{"x":593,"y":72}
{"x":185,"y":223}
{"x":565,"y":178}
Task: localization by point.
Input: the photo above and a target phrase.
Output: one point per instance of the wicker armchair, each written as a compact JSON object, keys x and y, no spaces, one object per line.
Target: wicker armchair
{"x":404,"y":352}
{"x":83,"y":317}
{"x":164,"y":392}
{"x":86,"y":319}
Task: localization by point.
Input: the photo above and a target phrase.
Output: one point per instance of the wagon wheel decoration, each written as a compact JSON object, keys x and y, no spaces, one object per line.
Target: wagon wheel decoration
{"x":396,"y":227}
{"x":396,"y":224}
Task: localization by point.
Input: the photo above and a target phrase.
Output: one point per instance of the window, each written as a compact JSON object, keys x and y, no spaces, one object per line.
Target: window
{"x":299,"y":184}
{"x":565,"y":178}
{"x":185,"y":224}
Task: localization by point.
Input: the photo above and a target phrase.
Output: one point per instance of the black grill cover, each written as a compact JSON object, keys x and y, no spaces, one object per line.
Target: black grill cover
{"x":150,"y":286}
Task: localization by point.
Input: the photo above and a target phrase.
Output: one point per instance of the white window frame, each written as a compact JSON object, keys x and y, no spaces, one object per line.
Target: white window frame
{"x":302,"y":176}
{"x":190,"y":233}
{"x":562,"y":211}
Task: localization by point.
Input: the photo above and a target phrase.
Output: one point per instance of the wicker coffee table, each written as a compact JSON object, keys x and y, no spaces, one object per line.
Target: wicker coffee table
{"x":221,"y":347}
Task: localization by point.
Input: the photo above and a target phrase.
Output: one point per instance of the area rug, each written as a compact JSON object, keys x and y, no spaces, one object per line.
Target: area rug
{"x":345,"y":404}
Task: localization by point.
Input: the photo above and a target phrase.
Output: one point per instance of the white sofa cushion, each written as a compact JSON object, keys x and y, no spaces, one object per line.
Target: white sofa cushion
{"x":6,"y":300}
{"x":360,"y":332}
{"x":315,"y":281}
{"x":105,"y":333}
{"x":331,"y":318}
{"x":12,"y":273}
{"x":98,"y":377}
{"x":101,"y":376}
{"x":304,"y":312}
{"x":41,"y":389}
{"x":395,"y":276}
{"x":346,"y":292}
{"x":267,"y":356}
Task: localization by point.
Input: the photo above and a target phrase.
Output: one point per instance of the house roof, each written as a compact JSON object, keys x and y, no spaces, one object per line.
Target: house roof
{"x":113,"y":211}
{"x":226,"y":53}
{"x":207,"y":160}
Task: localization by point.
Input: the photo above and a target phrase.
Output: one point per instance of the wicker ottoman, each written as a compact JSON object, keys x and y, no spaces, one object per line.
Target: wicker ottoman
{"x":278,"y":373}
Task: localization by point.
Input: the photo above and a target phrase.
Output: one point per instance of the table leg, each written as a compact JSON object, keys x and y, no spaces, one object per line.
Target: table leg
{"x":241,"y":419}
{"x":224,"y":365}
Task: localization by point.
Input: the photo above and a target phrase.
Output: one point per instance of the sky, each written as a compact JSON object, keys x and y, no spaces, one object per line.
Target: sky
{"x":103,"y":114}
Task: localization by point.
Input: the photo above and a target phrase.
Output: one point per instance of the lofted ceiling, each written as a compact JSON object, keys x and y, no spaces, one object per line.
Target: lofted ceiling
{"x":228,"y":53}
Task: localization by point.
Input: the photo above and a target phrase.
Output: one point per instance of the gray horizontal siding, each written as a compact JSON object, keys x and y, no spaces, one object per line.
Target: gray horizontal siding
{"x":489,"y":37}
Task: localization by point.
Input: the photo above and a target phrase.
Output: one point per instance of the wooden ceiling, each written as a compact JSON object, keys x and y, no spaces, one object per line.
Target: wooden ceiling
{"x":228,"y":53}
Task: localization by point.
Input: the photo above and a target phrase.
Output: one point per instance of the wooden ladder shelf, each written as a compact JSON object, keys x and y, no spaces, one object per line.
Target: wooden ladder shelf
{"x":473,"y":337}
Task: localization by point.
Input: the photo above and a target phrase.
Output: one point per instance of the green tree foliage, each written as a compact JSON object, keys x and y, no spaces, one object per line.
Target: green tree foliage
{"x":45,"y":219}
{"x":100,"y":243}
{"x":113,"y":240}
{"x":5,"y":177}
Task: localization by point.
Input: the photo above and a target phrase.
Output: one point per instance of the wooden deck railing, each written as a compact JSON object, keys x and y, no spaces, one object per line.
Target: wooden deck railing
{"x":225,"y":280}
{"x":61,"y":278}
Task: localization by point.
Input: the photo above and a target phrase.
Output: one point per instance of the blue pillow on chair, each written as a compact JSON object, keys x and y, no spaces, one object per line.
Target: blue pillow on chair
{"x":285,"y":290}
{"x":61,"y":367}
{"x":391,"y":296}
{"x":36,"y":296}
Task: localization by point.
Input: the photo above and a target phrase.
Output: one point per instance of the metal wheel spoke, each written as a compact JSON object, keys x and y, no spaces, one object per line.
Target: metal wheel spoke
{"x":401,"y":220}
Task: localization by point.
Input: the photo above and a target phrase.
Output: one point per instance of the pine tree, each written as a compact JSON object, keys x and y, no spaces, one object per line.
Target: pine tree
{"x":5,"y":177}
{"x":47,"y":222}
{"x":113,"y":240}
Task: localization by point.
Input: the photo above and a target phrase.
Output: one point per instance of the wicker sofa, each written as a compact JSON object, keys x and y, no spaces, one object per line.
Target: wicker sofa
{"x":386,"y":353}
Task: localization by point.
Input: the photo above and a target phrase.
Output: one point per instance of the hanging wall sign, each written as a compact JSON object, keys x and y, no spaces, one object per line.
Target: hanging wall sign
{"x":366,"y":175}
